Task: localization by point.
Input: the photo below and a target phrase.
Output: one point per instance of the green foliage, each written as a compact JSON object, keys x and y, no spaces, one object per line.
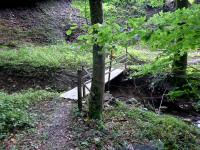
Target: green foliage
{"x":83,"y":6}
{"x":114,"y":10}
{"x":175,"y":31}
{"x":190,"y":90}
{"x":110,"y":35}
{"x":72,"y":29}
{"x":152,"y":3}
{"x":160,"y":65}
{"x":51,"y":57}
{"x":13,"y":109}
{"x":172,"y":132}
{"x":171,"y":33}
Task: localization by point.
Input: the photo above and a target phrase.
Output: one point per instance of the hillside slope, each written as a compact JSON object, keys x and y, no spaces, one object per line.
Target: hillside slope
{"x":42,"y":22}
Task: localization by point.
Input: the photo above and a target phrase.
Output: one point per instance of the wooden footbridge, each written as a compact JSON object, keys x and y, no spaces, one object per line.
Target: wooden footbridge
{"x":114,"y":67}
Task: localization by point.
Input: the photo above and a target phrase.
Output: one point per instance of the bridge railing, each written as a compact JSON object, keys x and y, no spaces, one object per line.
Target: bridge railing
{"x":86,"y":73}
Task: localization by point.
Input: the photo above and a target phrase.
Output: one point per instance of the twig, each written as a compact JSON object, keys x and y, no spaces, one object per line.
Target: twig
{"x":194,"y":68}
{"x":161,"y":101}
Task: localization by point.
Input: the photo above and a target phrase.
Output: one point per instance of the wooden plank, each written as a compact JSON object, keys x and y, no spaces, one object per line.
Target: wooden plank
{"x":194,"y":62}
{"x":73,"y":95}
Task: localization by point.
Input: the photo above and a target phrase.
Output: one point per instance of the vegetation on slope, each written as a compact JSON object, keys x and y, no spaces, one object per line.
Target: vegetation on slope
{"x":14,"y":109}
{"x":165,"y":132}
{"x":52,"y":57}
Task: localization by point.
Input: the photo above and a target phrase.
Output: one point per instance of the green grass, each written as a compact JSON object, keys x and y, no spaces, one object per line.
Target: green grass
{"x":13,"y":109}
{"x":83,"y":6}
{"x":52,"y":57}
{"x":112,"y":11}
{"x":165,"y":130}
{"x":142,"y":54}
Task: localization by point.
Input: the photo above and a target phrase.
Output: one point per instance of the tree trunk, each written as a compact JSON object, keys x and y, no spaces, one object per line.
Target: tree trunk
{"x":182,"y":3}
{"x":98,"y":85}
{"x":179,"y":65}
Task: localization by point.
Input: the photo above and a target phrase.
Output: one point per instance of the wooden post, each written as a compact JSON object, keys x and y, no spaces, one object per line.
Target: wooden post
{"x":83,"y":84}
{"x":126,"y":58}
{"x":79,"y":73}
{"x":110,"y":67}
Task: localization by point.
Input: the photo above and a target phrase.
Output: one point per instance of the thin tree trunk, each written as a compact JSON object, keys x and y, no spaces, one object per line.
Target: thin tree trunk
{"x":182,"y":3}
{"x":98,"y":85}
{"x":179,"y":68}
{"x":179,"y":65}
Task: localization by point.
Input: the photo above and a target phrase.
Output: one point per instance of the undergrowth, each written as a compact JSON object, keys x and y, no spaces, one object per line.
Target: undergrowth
{"x":165,"y":132}
{"x":113,"y":10}
{"x":13,"y":109}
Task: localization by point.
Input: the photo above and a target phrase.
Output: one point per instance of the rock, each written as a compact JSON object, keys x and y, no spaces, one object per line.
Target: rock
{"x":132,"y":101}
{"x":84,"y":143}
{"x":145,"y":109}
{"x":163,"y":107}
{"x":130,"y":147}
{"x":97,"y":140}
{"x":107,"y":96}
{"x":188,"y":120}
{"x":113,"y":101}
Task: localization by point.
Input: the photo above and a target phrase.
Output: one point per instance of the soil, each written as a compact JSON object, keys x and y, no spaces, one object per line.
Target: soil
{"x":40,"y":22}
{"x":51,"y":80}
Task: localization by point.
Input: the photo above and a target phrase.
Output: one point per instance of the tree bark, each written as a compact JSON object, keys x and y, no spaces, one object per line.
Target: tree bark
{"x":182,"y":3}
{"x":179,"y":68}
{"x":179,"y":65}
{"x":98,"y":85}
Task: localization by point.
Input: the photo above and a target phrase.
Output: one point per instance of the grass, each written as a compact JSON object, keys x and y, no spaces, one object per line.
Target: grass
{"x":142,"y":54}
{"x":112,"y":11}
{"x":13,"y":109}
{"x":52,"y":57}
{"x":83,"y":6}
{"x":164,"y":131}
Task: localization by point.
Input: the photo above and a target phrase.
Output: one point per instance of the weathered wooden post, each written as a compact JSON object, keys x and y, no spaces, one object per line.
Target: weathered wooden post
{"x":110,"y":65}
{"x":83,"y":84}
{"x":110,"y":68}
{"x":126,"y":58}
{"x":79,"y":73}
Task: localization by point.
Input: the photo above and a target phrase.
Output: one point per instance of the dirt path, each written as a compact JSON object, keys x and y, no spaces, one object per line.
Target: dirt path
{"x":53,"y":129}
{"x":57,"y":128}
